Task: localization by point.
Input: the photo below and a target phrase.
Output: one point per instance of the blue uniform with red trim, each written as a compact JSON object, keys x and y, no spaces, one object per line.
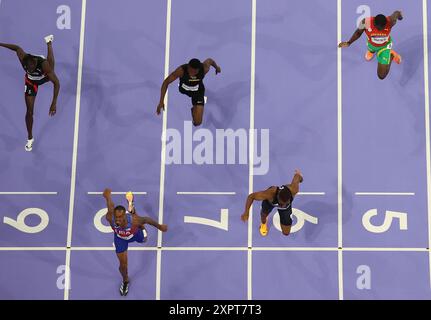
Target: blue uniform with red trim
{"x":123,"y":236}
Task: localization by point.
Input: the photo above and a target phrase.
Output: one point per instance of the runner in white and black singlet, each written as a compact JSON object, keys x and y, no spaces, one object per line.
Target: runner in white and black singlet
{"x":191,"y":77}
{"x":275,"y":197}
{"x":38,"y":71}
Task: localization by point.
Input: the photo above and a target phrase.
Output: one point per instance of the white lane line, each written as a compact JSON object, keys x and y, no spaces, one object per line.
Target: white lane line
{"x":311,"y":193}
{"x":340,"y":275}
{"x":163,"y":150}
{"x":251,"y":145}
{"x":384,"y":193}
{"x":339,"y":153}
{"x":75,"y":139}
{"x":28,"y":193}
{"x":117,"y":192}
{"x":211,"y":193}
{"x":427,"y":123}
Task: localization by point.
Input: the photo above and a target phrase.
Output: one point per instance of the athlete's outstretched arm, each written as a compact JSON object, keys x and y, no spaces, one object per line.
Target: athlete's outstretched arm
{"x":147,"y":220}
{"x":171,"y":78}
{"x":259,"y":195}
{"x":294,"y":185}
{"x":397,"y":15}
{"x":358,"y":33}
{"x":210,"y":62}
{"x":19,"y":52}
{"x":53,"y":78}
{"x":109,"y":204}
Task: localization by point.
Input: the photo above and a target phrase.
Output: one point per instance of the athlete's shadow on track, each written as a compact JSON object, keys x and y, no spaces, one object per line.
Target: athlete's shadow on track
{"x":321,"y":279}
{"x":327,"y":214}
{"x":227,"y":101}
{"x":414,"y":100}
{"x":9,"y":140}
{"x":195,"y":271}
{"x":239,"y":31}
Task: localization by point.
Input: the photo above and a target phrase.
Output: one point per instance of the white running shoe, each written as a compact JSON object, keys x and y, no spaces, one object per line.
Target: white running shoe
{"x":49,"y":38}
{"x":124,"y":288}
{"x":130,"y":202}
{"x":29,"y":145}
{"x":145,"y":235}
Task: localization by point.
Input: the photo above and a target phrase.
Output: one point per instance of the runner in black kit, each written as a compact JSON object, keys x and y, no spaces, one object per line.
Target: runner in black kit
{"x":38,"y":71}
{"x":275,"y":197}
{"x":191,"y":84}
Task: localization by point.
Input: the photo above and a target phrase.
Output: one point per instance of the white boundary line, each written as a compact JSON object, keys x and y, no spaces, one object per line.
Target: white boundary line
{"x":212,"y":193}
{"x":384,"y":193}
{"x":295,"y":249}
{"x":75,"y":143}
{"x":427,"y":123}
{"x":339,"y":155}
{"x":251,"y":147}
{"x":28,"y":193}
{"x":163,"y":150}
{"x":33,"y":248}
{"x":92,"y":193}
{"x":315,"y":249}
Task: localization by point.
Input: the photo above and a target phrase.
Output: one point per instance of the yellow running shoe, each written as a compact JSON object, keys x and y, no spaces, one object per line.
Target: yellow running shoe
{"x":369,"y":55}
{"x":264,"y":228}
{"x":396,"y":57}
{"x":129,"y":198}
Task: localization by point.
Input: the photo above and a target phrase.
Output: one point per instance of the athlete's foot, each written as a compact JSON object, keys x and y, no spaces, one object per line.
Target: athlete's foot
{"x":49,"y":38}
{"x":369,"y":55}
{"x":29,"y":145}
{"x":396,"y":57}
{"x":264,"y":228}
{"x":130,"y":202}
{"x":124,"y":288}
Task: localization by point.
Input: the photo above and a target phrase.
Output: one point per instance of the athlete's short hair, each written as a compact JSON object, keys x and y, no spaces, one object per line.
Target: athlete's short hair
{"x":26,"y":59}
{"x":195,"y":63}
{"x":284,"y":195}
{"x":380,"y":21}
{"x":119,"y":208}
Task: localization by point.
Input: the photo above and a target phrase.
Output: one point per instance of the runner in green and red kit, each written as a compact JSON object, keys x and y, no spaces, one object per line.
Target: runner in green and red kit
{"x":379,"y":42}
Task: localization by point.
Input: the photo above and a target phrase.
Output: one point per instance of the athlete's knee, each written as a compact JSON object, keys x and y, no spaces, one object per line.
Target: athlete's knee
{"x":285,"y":230}
{"x":123,"y":266}
{"x":197,"y":122}
{"x":29,"y":113}
{"x":382,"y":76}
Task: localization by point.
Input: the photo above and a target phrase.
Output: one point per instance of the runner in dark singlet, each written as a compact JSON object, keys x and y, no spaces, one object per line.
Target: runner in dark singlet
{"x":191,"y":84}
{"x":128,"y":227}
{"x":379,"y":42}
{"x":38,"y":71}
{"x":275,"y":197}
